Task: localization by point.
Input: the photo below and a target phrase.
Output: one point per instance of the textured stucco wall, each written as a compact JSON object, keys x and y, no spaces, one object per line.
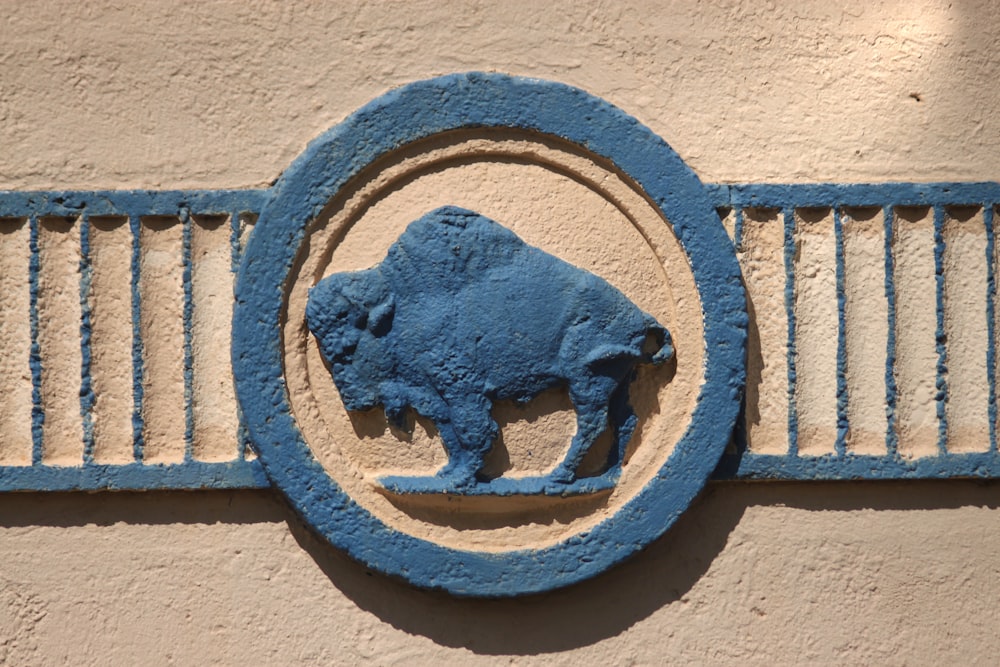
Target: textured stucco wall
{"x":226,"y":95}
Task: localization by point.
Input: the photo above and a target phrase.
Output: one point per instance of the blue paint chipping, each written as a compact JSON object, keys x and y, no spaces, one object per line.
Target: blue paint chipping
{"x":134,"y":477}
{"x":422,"y":110}
{"x":738,"y":230}
{"x":840,"y":445}
{"x":242,"y":434}
{"x":35,"y":354}
{"x":790,"y":255}
{"x":138,"y":362}
{"x":891,"y":433}
{"x":188,"y":324}
{"x":87,"y":397}
{"x":462,"y":313}
{"x":940,"y":335}
{"x":991,"y":348}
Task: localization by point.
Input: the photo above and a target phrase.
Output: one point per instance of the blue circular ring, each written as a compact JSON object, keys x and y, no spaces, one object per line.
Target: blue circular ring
{"x":414,"y":112}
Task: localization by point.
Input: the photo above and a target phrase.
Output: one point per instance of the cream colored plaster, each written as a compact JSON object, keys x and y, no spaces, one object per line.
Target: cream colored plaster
{"x":761,"y":257}
{"x":816,"y":331}
{"x":110,"y":301}
{"x":916,"y":324}
{"x":965,"y":328}
{"x":204,"y":95}
{"x":214,"y":399}
{"x":15,"y":336}
{"x":58,"y":339}
{"x":866,"y":327}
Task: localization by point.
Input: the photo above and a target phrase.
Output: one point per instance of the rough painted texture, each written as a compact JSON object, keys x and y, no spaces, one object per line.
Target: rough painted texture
{"x":462,"y":313}
{"x":326,"y":173}
{"x":225,"y":95}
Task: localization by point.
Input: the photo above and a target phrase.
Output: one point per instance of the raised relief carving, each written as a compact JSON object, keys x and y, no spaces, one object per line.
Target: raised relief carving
{"x":462,"y":313}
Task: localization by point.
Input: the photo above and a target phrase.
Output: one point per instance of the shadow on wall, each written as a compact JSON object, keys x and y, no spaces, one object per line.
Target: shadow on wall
{"x":604,"y":607}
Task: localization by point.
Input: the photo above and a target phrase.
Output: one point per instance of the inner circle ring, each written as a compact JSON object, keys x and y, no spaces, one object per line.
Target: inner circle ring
{"x":418,"y":111}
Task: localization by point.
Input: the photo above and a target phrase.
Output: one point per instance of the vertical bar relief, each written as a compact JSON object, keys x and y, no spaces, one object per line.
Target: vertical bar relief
{"x":15,"y":337}
{"x":966,"y":329}
{"x":866,"y":319}
{"x":161,"y":324}
{"x":111,"y":339}
{"x":761,"y":256}
{"x":816,"y":330}
{"x":242,"y":224}
{"x":59,"y":316}
{"x":916,"y":324}
{"x":213,"y":395}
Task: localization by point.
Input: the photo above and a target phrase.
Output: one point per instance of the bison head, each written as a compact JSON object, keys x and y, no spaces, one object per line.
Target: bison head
{"x":349,"y":313}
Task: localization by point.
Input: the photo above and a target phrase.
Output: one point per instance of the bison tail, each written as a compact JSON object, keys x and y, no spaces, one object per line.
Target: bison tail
{"x":663,"y":349}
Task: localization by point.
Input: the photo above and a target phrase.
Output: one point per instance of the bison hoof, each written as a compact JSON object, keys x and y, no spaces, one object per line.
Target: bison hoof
{"x":458,"y":476}
{"x":563,"y":475}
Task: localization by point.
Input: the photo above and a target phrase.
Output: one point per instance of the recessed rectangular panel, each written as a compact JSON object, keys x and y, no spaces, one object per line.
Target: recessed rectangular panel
{"x":214,"y":398}
{"x":761,"y":259}
{"x":161,"y":288}
{"x":59,"y":316}
{"x":866,"y":329}
{"x":15,"y":336}
{"x":965,"y":291}
{"x":916,"y":325}
{"x":110,"y":300}
{"x":816,"y":331}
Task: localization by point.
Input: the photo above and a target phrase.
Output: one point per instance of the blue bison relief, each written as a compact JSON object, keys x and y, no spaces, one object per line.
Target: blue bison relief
{"x":461,"y":313}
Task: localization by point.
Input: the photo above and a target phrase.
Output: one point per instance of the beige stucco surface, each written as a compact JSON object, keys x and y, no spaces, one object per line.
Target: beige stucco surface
{"x":109,"y":95}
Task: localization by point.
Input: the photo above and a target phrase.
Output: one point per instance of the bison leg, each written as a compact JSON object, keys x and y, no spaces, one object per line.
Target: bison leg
{"x":467,"y":438}
{"x":591,"y":400}
{"x":624,"y":421}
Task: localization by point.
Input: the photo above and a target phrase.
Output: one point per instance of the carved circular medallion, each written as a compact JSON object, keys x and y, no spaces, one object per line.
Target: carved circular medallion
{"x":489,"y":335}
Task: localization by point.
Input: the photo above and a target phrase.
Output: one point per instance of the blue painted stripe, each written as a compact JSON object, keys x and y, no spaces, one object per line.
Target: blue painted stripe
{"x":134,"y":477}
{"x":891,"y":391}
{"x":740,"y":435}
{"x":745,"y":465}
{"x":991,"y":349}
{"x":87,"y":397}
{"x":809,"y":195}
{"x":738,"y":229}
{"x":840,"y":445}
{"x":242,"y":433}
{"x":857,"y":467}
{"x":788,"y":215}
{"x":188,"y":322}
{"x":127,"y":202}
{"x":940,"y":335}
{"x":138,"y":439}
{"x":35,"y":354}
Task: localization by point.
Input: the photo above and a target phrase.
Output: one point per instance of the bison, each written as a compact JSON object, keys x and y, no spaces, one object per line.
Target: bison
{"x":461,"y":313}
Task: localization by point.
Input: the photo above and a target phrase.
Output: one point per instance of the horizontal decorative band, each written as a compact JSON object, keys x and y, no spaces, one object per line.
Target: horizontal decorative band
{"x":872,"y":351}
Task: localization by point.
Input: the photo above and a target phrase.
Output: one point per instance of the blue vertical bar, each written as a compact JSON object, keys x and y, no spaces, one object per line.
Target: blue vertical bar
{"x":86,"y":385}
{"x":138,"y":441}
{"x":242,"y":434}
{"x":840,"y":445}
{"x":789,"y":248}
{"x":35,"y":355}
{"x":940,"y":335}
{"x":891,"y":434}
{"x":186,"y":232}
{"x":738,"y":230}
{"x":991,"y":350}
{"x":740,"y":431}
{"x":234,"y":241}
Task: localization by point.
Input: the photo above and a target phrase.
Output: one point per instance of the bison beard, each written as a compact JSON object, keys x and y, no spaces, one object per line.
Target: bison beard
{"x":461,"y":313}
